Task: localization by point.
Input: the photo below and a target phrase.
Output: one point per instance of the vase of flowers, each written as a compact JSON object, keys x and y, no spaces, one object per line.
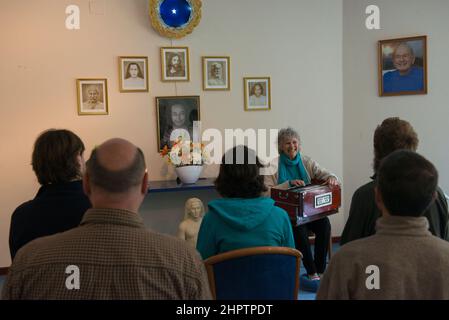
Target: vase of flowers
{"x":188,"y":159}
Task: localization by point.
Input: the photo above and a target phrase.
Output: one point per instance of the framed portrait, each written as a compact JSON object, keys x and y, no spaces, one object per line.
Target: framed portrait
{"x":133,"y":74}
{"x":175,"y":64}
{"x":92,"y":96}
{"x":216,"y":73}
{"x":175,"y":117}
{"x":257,"y":93}
{"x":403,"y":66}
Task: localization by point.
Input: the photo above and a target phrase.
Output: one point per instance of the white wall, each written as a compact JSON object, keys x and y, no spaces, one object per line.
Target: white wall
{"x":297,"y":43}
{"x":364,"y":109}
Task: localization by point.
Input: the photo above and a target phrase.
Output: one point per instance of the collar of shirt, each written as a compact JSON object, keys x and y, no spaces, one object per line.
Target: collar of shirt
{"x":70,"y":187}
{"x":401,"y":225}
{"x":113,"y":216}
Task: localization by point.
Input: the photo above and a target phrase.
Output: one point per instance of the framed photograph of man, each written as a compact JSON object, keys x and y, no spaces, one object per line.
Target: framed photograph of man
{"x":257,"y":93}
{"x":175,"y":118}
{"x":92,"y":96}
{"x":403,"y":66}
{"x":175,"y":64}
{"x":216,"y":73}
{"x":133,"y":74}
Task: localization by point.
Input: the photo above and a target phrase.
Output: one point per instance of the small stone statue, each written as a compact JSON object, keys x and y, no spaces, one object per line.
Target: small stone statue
{"x":190,"y":226}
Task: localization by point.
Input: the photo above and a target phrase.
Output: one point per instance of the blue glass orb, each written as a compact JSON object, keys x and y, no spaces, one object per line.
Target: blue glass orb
{"x":175,"y":13}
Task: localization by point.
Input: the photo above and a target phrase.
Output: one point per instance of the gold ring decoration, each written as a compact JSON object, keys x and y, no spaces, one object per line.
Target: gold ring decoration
{"x":175,"y":18}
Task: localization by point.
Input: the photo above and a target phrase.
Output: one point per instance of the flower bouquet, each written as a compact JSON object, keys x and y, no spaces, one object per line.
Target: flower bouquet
{"x":188,"y":159}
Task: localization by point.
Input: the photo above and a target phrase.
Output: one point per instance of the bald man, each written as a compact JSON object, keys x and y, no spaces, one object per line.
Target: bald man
{"x":110,"y":255}
{"x":407,"y":76}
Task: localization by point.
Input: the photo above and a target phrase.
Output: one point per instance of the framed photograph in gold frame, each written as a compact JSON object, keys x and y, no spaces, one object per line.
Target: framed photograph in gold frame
{"x":257,"y":93}
{"x":133,"y":74}
{"x":216,"y":73}
{"x":175,"y":64}
{"x":92,"y":96}
{"x":403,"y":66}
{"x":175,"y":117}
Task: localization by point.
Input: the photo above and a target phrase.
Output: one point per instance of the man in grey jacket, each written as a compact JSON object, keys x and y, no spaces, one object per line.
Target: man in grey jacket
{"x":403,"y":260}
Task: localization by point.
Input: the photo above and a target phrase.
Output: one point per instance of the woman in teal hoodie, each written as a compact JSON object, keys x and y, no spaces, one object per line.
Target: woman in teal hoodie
{"x":243,"y":218}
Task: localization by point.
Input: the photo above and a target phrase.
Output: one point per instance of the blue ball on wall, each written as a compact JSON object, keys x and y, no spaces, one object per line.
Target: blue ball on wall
{"x":175,"y":13}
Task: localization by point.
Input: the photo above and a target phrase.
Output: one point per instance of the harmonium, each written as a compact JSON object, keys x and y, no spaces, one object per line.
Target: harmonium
{"x":309,"y":203}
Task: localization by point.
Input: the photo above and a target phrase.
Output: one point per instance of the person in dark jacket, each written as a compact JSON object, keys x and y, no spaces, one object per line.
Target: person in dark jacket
{"x":60,"y":203}
{"x":393,"y":134}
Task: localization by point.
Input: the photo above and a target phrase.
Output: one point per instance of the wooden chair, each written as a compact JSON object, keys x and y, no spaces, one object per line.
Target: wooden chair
{"x":258,"y":273}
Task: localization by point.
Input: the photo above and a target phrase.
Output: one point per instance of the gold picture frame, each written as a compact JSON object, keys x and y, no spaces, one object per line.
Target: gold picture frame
{"x":92,"y":96}
{"x":170,"y":31}
{"x":175,"y":64}
{"x":402,"y":66}
{"x":216,"y":73}
{"x":188,"y":105}
{"x":257,"y":101}
{"x":133,"y":73}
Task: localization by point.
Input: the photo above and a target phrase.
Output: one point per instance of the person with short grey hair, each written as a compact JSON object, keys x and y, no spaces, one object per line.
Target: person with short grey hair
{"x":296,"y":169}
{"x":111,"y":255}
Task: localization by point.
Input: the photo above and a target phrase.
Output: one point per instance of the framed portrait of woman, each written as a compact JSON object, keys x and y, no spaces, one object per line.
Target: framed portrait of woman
{"x":175,"y":118}
{"x":257,"y":93}
{"x":216,"y":73}
{"x":403,"y":66}
{"x":175,"y":64}
{"x":133,"y":74}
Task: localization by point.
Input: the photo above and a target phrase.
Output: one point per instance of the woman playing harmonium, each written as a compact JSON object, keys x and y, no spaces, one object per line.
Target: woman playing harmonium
{"x":295,"y":169}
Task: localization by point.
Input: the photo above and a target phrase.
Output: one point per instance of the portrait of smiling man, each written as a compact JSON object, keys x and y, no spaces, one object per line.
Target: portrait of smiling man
{"x":407,"y":76}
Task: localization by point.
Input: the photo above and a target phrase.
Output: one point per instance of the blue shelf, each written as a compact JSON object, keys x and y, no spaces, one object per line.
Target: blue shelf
{"x":173,"y":186}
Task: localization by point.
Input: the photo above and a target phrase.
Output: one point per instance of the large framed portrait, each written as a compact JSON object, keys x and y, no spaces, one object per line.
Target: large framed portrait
{"x":92,"y":96}
{"x":133,"y":74}
{"x":257,"y":93}
{"x":403,"y":66}
{"x":175,"y":64}
{"x":216,"y":73}
{"x":175,"y":117}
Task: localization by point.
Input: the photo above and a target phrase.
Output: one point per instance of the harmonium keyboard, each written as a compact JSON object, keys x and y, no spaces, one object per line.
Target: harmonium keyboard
{"x":309,"y":203}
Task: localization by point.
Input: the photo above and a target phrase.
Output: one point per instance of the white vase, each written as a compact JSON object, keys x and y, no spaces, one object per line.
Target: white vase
{"x":189,"y":174}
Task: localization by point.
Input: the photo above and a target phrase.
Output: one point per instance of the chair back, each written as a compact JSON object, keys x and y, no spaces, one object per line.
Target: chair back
{"x":260,"y":273}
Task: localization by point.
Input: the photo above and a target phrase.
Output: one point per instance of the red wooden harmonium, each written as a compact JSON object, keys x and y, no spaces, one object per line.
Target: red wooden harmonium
{"x":309,"y":203}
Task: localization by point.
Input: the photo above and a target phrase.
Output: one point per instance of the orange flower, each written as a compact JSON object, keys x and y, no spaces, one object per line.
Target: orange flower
{"x":164,"y":151}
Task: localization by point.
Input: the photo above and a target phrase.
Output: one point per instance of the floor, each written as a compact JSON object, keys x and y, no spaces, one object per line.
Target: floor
{"x":303,"y":295}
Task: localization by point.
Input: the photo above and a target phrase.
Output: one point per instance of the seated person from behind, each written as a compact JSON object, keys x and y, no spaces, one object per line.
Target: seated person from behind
{"x":60,"y":203}
{"x":406,"y":77}
{"x":117,"y":257}
{"x":242,"y":218}
{"x":393,"y":134}
{"x":410,"y":263}
{"x":295,"y":169}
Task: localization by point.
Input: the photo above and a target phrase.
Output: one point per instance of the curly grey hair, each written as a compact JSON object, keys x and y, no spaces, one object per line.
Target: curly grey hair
{"x":285,"y":134}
